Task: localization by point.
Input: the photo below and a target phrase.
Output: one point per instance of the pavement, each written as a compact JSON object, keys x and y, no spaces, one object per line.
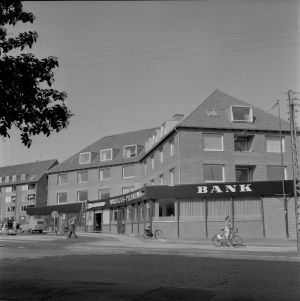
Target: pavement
{"x":258,"y":249}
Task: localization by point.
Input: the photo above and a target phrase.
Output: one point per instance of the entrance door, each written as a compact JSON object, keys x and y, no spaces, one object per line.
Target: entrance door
{"x":121,"y":220}
{"x":98,"y":222}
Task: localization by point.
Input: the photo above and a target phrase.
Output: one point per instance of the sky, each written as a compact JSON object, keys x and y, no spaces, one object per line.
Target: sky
{"x":130,"y":65}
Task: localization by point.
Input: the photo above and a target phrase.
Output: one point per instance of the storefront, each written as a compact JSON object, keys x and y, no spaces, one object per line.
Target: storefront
{"x":258,"y":210}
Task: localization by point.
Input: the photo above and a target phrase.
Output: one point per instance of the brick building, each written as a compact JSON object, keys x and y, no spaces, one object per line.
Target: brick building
{"x":23,"y":186}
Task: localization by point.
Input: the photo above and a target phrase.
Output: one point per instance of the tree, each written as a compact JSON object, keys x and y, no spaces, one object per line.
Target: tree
{"x":27,"y":100}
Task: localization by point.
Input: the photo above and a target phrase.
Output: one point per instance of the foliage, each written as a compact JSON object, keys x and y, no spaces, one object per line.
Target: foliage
{"x":27,"y":100}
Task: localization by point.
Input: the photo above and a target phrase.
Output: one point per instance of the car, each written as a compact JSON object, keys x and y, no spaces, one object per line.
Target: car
{"x":33,"y":226}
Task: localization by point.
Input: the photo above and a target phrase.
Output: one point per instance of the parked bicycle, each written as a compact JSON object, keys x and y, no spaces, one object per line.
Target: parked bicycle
{"x":149,"y":233}
{"x":234,"y":240}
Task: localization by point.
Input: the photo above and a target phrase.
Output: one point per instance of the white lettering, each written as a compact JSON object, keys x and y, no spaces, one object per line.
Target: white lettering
{"x":202,"y":189}
{"x":245,"y":187}
{"x":232,"y":188}
{"x":216,"y":189}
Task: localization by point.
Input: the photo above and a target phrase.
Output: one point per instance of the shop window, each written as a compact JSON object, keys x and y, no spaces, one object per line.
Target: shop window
{"x":243,"y":143}
{"x":130,"y":151}
{"x":213,"y":142}
{"x":61,"y":197}
{"x":273,"y":144}
{"x":241,"y":114}
{"x":62,"y":179}
{"x":213,"y":173}
{"x":128,"y":171}
{"x":104,"y":193}
{"x":104,"y":174}
{"x":82,"y":177}
{"x":244,"y":173}
{"x":167,"y":208}
{"x":106,"y":154}
{"x":85,"y":158}
{"x":276,"y":173}
{"x":82,"y":196}
{"x":127,"y":189}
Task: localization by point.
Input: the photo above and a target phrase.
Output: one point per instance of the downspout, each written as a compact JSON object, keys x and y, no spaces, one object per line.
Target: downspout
{"x":178,"y":156}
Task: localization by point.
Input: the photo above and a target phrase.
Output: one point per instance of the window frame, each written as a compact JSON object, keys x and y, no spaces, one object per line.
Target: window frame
{"x":84,"y":153}
{"x":59,"y":176}
{"x":101,"y":178}
{"x":79,"y":180}
{"x":214,"y":181}
{"x":78,"y":193}
{"x":248,"y":138}
{"x":270,"y":137}
{"x":213,"y":149}
{"x":243,"y":121}
{"x":250,"y":170}
{"x":61,"y":193}
{"x":123,"y":171}
{"x":102,"y":151}
{"x":100,"y":194}
{"x":125,"y":151}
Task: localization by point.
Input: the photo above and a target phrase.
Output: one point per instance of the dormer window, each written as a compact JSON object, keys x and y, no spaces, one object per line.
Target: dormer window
{"x":106,"y":154}
{"x":23,"y":177}
{"x":6,"y":179}
{"x":241,"y":114}
{"x":130,"y":151}
{"x":14,"y":178}
{"x":85,"y":158}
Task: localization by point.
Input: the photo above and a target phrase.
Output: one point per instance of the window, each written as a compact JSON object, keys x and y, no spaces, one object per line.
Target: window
{"x":128,"y":171}
{"x":172,"y":176}
{"x":161,"y":155}
{"x":14,"y":178}
{"x":82,"y":196}
{"x":32,"y":177}
{"x":85,"y":158}
{"x":13,"y":198}
{"x":152,"y":182}
{"x":104,"y":174}
{"x":172,"y":148}
{"x":244,"y":173}
{"x":145,"y":167}
{"x":213,"y":142}
{"x":243,"y":143}
{"x":7,"y":199}
{"x":152,"y":161}
{"x":273,"y":144}
{"x":6,"y":179}
{"x":24,"y":187}
{"x":213,"y":172}
{"x":8,"y":209}
{"x":0,"y":180}
{"x":23,"y":208}
{"x":23,"y":177}
{"x":61,"y":197}
{"x":130,"y":151}
{"x":31,"y":186}
{"x":106,"y":154}
{"x":127,"y":189}
{"x":31,"y":197}
{"x":104,"y":193}
{"x":8,"y":189}
{"x":276,"y":173}
{"x":241,"y":114}
{"x":161,"y":179}
{"x":167,"y":208}
{"x":62,"y":179}
{"x":82,"y":177}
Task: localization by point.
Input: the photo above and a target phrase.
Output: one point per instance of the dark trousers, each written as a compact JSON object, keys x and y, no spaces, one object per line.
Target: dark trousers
{"x":72,"y":230}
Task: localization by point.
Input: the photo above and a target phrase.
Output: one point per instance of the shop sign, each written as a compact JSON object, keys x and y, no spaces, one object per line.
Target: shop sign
{"x":127,"y":198}
{"x":94,"y":205}
{"x":210,"y":189}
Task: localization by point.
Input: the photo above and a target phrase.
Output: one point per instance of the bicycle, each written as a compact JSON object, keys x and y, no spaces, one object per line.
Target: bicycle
{"x":234,"y":240}
{"x":149,"y":233}
{"x":60,"y":231}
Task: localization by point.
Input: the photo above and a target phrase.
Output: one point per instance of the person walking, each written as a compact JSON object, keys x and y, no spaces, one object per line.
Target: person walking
{"x":72,"y":226}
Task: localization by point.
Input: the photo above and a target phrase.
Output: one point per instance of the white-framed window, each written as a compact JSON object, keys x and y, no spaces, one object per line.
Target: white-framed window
{"x":243,"y":143}
{"x":8,"y":189}
{"x":128,"y":171}
{"x":127,"y":189}
{"x":31,"y":197}
{"x":8,"y":199}
{"x":82,"y":196}
{"x":161,"y":155}
{"x":104,"y":174}
{"x":241,"y":114}
{"x":24,"y":187}
{"x":23,"y":208}
{"x":8,"y":209}
{"x":85,"y":158}
{"x":61,"y":197}
{"x":273,"y":144}
{"x":145,"y":166}
{"x":213,"y":172}
{"x":104,"y":193}
{"x":23,"y":177}
{"x":6,"y":179}
{"x":244,"y":173}
{"x":161,"y":179}
{"x":276,"y":173}
{"x":166,"y":208}
{"x":106,"y":154}
{"x":14,"y":178}
{"x":172,"y":147}
{"x":213,"y":142}
{"x":152,"y":161}
{"x":82,"y":176}
{"x":172,"y":176}
{"x":130,"y":151}
{"x":62,"y":179}
{"x":13,"y":198}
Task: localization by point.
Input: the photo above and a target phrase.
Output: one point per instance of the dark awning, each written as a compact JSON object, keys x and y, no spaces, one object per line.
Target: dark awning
{"x":64,"y":208}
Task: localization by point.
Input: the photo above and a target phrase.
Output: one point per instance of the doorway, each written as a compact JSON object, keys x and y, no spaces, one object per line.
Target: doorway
{"x":98,"y":222}
{"x":121,"y":220}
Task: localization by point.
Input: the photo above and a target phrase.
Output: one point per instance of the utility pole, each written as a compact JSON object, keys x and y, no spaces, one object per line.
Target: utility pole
{"x":296,"y":175}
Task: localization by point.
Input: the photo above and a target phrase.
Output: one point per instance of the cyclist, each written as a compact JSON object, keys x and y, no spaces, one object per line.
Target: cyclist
{"x":228,"y":230}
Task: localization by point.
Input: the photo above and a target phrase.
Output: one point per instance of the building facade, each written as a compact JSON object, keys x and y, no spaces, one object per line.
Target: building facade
{"x":23,"y":186}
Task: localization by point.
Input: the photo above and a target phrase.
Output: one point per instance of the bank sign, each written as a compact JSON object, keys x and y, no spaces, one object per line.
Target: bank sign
{"x":215,"y":189}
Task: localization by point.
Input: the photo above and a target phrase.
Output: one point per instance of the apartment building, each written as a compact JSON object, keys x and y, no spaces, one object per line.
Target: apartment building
{"x":23,"y":186}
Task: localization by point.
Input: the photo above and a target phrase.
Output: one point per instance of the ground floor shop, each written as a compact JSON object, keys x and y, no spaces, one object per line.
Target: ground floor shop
{"x":257,"y":209}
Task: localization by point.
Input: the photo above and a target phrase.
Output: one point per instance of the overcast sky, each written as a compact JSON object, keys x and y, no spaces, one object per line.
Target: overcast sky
{"x":132,"y":65}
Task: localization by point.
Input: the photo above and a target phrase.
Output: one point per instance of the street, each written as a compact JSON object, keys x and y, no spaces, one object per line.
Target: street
{"x":55,"y":268}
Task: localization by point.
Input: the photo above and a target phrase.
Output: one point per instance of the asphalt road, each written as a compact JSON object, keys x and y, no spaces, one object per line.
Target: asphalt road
{"x":82,"y":269}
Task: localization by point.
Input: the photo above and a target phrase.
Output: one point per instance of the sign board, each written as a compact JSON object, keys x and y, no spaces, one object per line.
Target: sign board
{"x":54,"y":214}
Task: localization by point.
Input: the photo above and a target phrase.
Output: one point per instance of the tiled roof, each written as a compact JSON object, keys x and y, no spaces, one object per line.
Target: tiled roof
{"x":33,"y":171}
{"x":116,"y":142}
{"x":213,"y":113}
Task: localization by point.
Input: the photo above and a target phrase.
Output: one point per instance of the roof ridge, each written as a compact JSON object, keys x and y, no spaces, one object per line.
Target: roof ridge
{"x":33,"y":162}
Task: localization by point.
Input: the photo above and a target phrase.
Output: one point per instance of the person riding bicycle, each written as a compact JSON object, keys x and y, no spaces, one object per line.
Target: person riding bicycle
{"x":228,"y":229}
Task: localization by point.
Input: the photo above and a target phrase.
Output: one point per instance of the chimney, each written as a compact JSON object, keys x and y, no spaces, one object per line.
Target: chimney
{"x":178,"y":117}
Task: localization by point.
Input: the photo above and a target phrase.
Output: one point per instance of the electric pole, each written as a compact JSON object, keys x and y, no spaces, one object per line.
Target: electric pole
{"x":296,"y":175}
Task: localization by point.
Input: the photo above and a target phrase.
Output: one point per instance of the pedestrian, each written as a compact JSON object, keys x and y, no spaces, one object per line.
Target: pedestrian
{"x":72,"y":226}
